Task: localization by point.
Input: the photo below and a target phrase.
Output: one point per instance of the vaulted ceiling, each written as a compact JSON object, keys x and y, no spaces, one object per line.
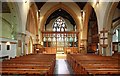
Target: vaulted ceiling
{"x":80,"y":4}
{"x":62,"y":13}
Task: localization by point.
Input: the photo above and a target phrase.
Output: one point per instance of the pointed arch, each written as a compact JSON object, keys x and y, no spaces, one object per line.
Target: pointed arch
{"x":30,"y":45}
{"x":85,"y":32}
{"x":56,"y":7}
{"x":32,"y":18}
{"x":110,"y":14}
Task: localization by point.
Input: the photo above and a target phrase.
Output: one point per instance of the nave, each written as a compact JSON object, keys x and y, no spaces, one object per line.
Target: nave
{"x":60,"y":38}
{"x":74,"y":64}
{"x":26,"y":66}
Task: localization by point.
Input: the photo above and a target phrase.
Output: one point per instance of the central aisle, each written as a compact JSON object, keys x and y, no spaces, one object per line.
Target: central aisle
{"x":62,"y":67}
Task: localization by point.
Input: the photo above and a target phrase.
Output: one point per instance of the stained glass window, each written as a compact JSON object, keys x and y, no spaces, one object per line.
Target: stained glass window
{"x":59,"y":25}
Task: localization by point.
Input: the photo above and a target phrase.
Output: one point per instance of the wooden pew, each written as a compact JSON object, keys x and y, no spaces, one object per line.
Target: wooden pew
{"x":93,"y":64}
{"x":38,"y":64}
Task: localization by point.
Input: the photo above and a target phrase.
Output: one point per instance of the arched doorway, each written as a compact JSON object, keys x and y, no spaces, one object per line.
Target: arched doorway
{"x":93,"y":38}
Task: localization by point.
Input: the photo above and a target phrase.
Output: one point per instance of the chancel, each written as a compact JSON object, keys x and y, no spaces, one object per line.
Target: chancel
{"x":59,"y":37}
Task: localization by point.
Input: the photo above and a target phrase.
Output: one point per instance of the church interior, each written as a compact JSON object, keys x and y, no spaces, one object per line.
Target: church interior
{"x":59,"y":37}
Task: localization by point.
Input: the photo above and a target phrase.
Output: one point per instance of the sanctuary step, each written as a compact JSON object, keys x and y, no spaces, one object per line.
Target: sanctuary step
{"x":60,"y":56}
{"x":60,"y":52}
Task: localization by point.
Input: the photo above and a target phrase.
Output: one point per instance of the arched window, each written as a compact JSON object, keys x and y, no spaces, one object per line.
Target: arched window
{"x":115,"y":36}
{"x":59,"y":25}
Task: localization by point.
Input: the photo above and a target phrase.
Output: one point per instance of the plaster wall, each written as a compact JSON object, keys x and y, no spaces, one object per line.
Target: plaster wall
{"x":13,"y":48}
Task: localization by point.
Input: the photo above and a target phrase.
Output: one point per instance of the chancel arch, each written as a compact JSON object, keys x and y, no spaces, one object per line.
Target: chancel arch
{"x":56,"y":7}
{"x":60,"y":33}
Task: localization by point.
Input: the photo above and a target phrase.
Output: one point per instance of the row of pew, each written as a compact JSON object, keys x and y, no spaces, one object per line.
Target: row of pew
{"x":87,"y":64}
{"x":34,"y":64}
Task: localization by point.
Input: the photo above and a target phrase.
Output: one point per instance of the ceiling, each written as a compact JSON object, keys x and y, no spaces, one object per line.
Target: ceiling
{"x":62,"y":13}
{"x":40,"y":4}
{"x":5,"y":8}
{"x":80,"y":4}
{"x":118,"y":5}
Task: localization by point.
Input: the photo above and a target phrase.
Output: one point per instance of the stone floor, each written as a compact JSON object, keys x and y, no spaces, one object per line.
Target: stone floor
{"x":62,"y":68}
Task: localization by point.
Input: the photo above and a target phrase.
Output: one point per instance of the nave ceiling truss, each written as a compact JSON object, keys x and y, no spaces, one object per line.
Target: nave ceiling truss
{"x":61,"y":12}
{"x":80,"y":4}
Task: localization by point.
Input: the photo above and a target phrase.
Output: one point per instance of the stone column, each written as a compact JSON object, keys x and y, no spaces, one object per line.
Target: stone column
{"x":99,"y":47}
{"x":105,"y":49}
{"x":118,"y":34}
{"x":21,"y":44}
{"x":119,"y":40}
{"x":40,"y":37}
{"x":109,"y":47}
{"x":79,"y":41}
{"x":85,"y":46}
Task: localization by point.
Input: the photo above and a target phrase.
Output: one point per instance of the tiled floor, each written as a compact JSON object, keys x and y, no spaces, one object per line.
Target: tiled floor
{"x":62,"y":68}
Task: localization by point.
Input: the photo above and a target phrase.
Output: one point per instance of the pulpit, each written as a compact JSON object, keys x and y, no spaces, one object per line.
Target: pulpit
{"x":38,"y":48}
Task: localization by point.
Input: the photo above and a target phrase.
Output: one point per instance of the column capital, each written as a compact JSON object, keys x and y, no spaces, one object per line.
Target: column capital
{"x":22,"y":34}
